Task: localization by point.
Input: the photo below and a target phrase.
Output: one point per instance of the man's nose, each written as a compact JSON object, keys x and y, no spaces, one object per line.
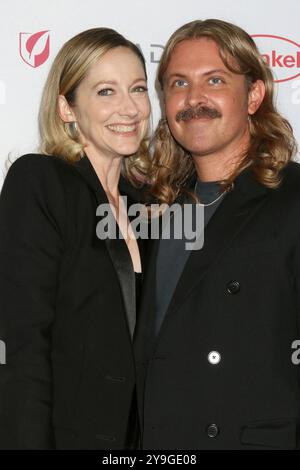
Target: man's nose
{"x":196,"y":96}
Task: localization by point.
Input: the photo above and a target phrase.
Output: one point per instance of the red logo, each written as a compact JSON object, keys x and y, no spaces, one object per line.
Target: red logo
{"x":34,"y":48}
{"x":281,"y":54}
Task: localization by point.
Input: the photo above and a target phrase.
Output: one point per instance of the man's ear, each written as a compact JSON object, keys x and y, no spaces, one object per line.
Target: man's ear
{"x":65,"y":111}
{"x":256,"y":96}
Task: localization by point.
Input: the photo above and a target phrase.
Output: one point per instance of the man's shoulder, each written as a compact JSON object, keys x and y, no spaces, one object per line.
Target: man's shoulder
{"x":292,"y":170}
{"x":292,"y":167}
{"x":288,"y":191}
{"x":291,"y":176}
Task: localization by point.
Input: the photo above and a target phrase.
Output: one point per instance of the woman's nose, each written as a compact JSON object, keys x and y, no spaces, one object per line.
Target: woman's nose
{"x":128,"y":107}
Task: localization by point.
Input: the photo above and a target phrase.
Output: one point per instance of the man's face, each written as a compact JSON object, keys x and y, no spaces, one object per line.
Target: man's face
{"x":206,"y":104}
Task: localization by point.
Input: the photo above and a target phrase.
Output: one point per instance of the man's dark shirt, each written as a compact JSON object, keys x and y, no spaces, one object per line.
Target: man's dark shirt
{"x":172,"y":254}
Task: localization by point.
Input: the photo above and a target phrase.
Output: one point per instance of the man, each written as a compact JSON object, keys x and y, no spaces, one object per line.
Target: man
{"x":218,"y":326}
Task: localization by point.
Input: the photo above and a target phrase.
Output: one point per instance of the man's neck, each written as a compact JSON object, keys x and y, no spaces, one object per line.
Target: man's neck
{"x":220,"y":164}
{"x":215,"y":167}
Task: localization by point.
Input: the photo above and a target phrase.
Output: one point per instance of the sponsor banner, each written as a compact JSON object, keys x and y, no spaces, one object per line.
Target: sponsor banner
{"x":34,"y":48}
{"x":281,"y":54}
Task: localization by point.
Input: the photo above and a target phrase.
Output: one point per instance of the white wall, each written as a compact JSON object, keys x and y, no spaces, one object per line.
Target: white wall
{"x":148,"y":23}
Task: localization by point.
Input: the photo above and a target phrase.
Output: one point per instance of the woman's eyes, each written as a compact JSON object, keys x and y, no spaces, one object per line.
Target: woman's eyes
{"x":105,"y":92}
{"x":140,"y":89}
{"x":110,"y":91}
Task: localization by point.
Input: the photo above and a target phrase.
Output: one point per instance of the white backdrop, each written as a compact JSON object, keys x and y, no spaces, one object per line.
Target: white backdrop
{"x":26,"y":56}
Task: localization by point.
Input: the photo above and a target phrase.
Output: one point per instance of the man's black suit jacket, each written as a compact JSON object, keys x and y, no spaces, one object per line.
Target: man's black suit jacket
{"x":220,"y":374}
{"x":65,"y":295}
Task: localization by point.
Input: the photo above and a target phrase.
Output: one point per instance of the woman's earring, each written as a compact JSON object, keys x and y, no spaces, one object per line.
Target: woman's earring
{"x":71,"y":129}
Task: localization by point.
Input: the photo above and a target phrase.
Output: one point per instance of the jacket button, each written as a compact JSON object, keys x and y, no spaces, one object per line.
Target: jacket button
{"x":212,"y":430}
{"x":233,"y":287}
{"x":214,"y":357}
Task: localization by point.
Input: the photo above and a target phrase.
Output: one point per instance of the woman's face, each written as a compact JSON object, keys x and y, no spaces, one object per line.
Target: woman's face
{"x":112,"y":106}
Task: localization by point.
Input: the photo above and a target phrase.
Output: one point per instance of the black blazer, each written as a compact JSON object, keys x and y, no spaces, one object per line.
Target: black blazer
{"x":66,"y":297}
{"x":220,"y":374}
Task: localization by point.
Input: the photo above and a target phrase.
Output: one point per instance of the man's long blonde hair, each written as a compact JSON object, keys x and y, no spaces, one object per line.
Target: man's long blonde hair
{"x":272,"y":144}
{"x":69,"y":68}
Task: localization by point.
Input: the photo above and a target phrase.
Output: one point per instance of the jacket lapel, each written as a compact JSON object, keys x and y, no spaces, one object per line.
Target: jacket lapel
{"x":238,"y":206}
{"x":116,"y":248}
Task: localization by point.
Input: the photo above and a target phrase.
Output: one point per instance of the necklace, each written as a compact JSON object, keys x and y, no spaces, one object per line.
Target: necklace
{"x":210,"y":203}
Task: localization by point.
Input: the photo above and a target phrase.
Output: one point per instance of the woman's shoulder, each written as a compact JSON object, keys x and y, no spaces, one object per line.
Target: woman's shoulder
{"x":38,"y":168}
{"x":36,"y":162}
{"x":39,"y":177}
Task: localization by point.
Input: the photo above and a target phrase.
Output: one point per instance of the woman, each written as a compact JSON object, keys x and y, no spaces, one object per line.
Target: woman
{"x":67,"y":311}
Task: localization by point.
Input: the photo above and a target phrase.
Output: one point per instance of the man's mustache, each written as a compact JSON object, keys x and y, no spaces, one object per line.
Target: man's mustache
{"x":198,"y":112}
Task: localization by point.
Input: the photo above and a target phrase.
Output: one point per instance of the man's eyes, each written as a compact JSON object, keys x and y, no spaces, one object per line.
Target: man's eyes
{"x":216,"y":80}
{"x":180,"y":83}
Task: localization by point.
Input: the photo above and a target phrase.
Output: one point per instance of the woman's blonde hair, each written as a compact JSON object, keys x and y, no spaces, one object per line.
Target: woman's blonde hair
{"x":272,"y":143}
{"x":69,"y":68}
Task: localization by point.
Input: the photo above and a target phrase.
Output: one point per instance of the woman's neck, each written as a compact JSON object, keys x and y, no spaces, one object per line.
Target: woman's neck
{"x":108,"y":170}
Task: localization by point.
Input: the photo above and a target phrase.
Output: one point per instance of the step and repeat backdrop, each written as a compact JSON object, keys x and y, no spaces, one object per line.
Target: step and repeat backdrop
{"x":32,"y":32}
